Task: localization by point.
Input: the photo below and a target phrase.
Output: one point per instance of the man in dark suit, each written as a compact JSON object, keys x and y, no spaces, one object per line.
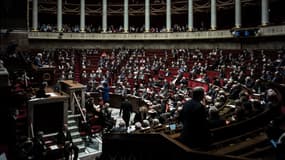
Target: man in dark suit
{"x":195,"y":132}
{"x":126,"y":108}
{"x":64,"y":138}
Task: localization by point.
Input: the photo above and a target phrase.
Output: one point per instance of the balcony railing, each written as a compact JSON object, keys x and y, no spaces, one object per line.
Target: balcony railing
{"x":263,"y":31}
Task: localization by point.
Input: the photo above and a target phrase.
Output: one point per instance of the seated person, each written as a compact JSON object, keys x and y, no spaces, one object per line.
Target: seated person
{"x":38,"y":60}
{"x":214,"y":119}
{"x":121,"y":128}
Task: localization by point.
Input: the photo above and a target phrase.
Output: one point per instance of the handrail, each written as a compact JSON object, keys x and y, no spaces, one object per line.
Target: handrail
{"x":78,"y":104}
{"x":32,"y":130}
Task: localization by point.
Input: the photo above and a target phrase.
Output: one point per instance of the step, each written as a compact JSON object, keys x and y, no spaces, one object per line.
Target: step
{"x":81,"y":148}
{"x":71,"y":122}
{"x":75,"y":134}
{"x":77,"y":141}
{"x":91,"y":155}
{"x":73,"y":128}
{"x":73,"y":116}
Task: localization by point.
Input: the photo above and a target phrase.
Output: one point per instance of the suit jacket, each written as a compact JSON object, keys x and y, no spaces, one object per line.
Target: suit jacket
{"x":195,"y":130}
{"x":126,"y":108}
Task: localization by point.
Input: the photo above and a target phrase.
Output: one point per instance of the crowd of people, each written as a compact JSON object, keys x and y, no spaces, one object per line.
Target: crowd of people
{"x":166,"y":81}
{"x":90,"y":28}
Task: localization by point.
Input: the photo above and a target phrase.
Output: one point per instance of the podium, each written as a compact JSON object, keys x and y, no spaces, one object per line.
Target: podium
{"x":76,"y":92}
{"x":47,"y":114}
{"x":45,"y":73}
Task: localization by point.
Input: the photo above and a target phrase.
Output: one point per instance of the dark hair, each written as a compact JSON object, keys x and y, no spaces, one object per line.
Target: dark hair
{"x":198,"y":93}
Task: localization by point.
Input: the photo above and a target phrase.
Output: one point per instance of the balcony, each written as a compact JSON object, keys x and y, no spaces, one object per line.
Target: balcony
{"x":219,"y":34}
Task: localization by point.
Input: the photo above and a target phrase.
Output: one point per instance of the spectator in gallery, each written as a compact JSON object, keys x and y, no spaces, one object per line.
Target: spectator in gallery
{"x":126,"y":110}
{"x":195,"y":132}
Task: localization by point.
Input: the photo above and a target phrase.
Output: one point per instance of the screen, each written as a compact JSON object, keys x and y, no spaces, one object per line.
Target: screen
{"x":172,"y":127}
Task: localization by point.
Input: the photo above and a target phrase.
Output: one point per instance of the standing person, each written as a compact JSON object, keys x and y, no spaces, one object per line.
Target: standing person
{"x":195,"y":132}
{"x":126,"y":108}
{"x":105,"y":92}
{"x":104,"y":89}
{"x":64,"y":138}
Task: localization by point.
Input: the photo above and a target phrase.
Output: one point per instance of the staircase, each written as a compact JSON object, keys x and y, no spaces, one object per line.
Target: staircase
{"x":86,"y":151}
{"x":74,"y":131}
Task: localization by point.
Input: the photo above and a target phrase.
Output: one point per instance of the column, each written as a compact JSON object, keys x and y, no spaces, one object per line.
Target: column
{"x":59,"y":15}
{"x":213,"y":15}
{"x":237,"y":14}
{"x":126,"y":15}
{"x":104,"y":16}
{"x":190,"y":15}
{"x":147,"y":15}
{"x":35,"y":15}
{"x":168,"y":15}
{"x":264,"y":13}
{"x":82,"y":15}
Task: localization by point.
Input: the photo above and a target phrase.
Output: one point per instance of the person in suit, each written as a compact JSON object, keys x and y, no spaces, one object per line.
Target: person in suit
{"x":64,"y":139}
{"x":38,"y":60}
{"x":195,"y":132}
{"x":126,"y":110}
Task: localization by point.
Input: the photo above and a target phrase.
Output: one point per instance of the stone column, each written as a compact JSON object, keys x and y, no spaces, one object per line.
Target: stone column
{"x":213,"y":15}
{"x":126,"y":15}
{"x":190,"y":15}
{"x":104,"y":16}
{"x":168,"y":15}
{"x":82,"y":15}
{"x":147,"y":15}
{"x":59,"y":15}
{"x":264,"y":13}
{"x":237,"y":14}
{"x":35,"y":15}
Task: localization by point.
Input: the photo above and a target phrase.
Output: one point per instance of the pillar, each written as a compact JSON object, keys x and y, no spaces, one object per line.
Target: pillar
{"x":147,"y":15}
{"x":190,"y":15}
{"x":264,"y":12}
{"x":104,"y":16}
{"x":35,"y":15}
{"x":168,"y":15}
{"x":237,"y":14}
{"x":213,"y":15}
{"x":82,"y":15}
{"x":126,"y":15}
{"x":59,"y":15}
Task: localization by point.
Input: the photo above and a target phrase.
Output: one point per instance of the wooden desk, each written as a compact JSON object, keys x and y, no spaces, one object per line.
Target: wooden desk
{"x":70,"y":87}
{"x":47,"y":114}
